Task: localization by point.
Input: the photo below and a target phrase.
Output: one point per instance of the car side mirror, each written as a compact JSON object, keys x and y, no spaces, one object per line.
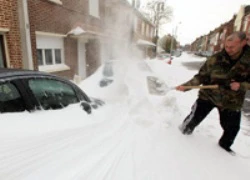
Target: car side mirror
{"x":86,"y":107}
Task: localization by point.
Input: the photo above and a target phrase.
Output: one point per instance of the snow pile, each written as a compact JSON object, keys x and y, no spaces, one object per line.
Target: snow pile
{"x":134,"y":136}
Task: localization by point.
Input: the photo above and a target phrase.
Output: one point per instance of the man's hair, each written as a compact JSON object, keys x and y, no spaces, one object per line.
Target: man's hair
{"x":238,"y":34}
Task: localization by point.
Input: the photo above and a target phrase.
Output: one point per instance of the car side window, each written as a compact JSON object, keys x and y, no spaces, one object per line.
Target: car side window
{"x":10,"y":98}
{"x":52,"y":94}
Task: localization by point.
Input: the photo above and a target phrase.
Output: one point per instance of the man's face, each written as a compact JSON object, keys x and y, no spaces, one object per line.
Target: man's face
{"x":234,"y":47}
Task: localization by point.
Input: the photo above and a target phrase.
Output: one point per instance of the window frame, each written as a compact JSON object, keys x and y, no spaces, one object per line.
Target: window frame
{"x":94,"y":8}
{"x":2,"y":49}
{"x":53,"y":42}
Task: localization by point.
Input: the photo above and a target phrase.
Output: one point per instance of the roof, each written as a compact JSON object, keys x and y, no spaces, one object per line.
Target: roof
{"x":144,"y":42}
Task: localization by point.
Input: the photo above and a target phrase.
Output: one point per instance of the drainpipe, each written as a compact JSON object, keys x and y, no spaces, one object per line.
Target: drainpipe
{"x":24,"y":23}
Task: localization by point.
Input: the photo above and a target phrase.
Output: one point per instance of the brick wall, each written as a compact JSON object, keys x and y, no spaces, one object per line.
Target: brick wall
{"x":9,"y":19}
{"x":49,"y":17}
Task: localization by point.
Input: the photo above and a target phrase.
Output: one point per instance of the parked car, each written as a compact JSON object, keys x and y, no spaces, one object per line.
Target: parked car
{"x":165,"y":57}
{"x":26,"y":90}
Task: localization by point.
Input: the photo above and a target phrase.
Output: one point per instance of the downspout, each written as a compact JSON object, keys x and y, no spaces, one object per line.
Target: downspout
{"x":26,"y":47}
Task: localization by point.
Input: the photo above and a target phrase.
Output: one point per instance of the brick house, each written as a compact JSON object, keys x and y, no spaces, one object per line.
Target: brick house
{"x":41,"y":35}
{"x":225,"y":30}
{"x":68,"y":38}
{"x":133,"y":32}
{"x":239,"y":22}
{"x":144,"y":35}
{"x":246,"y":22}
{"x":65,"y":36}
{"x":214,"y":40}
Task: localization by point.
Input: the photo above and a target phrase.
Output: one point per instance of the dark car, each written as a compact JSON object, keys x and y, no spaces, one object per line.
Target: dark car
{"x":26,"y":90}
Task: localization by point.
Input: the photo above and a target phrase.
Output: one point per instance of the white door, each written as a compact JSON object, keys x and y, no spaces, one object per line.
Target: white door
{"x":81,"y":59}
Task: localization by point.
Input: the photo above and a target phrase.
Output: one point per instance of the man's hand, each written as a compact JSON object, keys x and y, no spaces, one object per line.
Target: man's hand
{"x":235,"y":86}
{"x":180,"y":88}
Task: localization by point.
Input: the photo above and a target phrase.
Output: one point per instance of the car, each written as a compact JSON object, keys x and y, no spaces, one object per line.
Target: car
{"x":165,"y":57}
{"x":28,"y":90}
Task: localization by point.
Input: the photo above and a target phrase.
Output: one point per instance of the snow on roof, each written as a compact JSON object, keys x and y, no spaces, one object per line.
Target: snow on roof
{"x":76,"y":31}
{"x":144,"y":42}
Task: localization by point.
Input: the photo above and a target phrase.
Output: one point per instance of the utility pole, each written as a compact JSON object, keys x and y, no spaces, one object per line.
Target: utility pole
{"x":159,"y":7}
{"x":174,"y":36}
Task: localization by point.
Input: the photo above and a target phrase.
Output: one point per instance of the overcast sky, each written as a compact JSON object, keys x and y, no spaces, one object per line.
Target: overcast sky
{"x":195,"y":18}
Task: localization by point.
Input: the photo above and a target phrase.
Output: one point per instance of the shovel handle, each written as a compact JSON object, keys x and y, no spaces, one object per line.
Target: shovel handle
{"x":202,"y":87}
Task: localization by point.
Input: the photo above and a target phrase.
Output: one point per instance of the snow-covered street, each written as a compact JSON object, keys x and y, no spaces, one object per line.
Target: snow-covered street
{"x":135,"y":136}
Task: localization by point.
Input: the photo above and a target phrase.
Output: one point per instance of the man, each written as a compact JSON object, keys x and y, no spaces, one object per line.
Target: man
{"x":230,"y":69}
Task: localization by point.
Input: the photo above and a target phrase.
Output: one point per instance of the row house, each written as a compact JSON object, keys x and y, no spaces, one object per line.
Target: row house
{"x":65,"y":35}
{"x":215,"y":39}
{"x":42,"y":35}
{"x":242,"y":21}
{"x":69,"y":38}
{"x":144,"y":35}
{"x":197,"y":44}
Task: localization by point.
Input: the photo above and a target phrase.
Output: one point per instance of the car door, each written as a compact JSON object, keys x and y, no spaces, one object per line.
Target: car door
{"x":52,"y":93}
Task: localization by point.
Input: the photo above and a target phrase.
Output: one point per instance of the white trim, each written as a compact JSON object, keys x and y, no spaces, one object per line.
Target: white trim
{"x":54,"y":68}
{"x":144,"y":42}
{"x":81,"y":53}
{"x":4,"y":29}
{"x":76,"y":31}
{"x":50,"y":34}
{"x":94,"y":8}
{"x":25,"y":35}
{"x":56,"y":1}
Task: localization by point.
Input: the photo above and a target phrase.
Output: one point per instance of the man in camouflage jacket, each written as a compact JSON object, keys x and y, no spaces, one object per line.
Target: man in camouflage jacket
{"x":230,"y":69}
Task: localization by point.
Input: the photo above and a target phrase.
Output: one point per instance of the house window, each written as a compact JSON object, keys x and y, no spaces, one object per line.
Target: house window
{"x":245,"y":26}
{"x":58,"y":56}
{"x":142,"y":28}
{"x":2,"y":53}
{"x":94,"y":8}
{"x":49,"y":56}
{"x":147,"y":30}
{"x":50,"y":53}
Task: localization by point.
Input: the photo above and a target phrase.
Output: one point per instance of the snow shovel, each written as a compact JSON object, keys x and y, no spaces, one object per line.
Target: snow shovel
{"x":159,"y":87}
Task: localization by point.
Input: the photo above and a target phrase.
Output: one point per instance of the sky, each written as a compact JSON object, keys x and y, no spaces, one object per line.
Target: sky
{"x":134,"y":136}
{"x":194,"y":18}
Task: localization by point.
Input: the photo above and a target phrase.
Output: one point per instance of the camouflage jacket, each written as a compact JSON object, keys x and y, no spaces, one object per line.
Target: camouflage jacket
{"x":220,"y":69}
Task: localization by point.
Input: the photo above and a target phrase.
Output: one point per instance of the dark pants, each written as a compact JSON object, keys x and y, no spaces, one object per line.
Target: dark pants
{"x":229,"y":120}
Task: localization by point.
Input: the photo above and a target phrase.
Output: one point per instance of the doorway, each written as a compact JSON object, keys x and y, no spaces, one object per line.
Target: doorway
{"x":2,"y":52}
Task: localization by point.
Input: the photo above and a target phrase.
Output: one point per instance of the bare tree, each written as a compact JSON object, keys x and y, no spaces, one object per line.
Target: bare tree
{"x":158,"y":13}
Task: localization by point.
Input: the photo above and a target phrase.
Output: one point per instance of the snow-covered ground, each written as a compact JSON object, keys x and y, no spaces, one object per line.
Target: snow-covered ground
{"x":134,"y":136}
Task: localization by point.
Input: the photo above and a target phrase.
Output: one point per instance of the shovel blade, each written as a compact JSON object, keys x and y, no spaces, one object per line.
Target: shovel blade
{"x":156,"y":86}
